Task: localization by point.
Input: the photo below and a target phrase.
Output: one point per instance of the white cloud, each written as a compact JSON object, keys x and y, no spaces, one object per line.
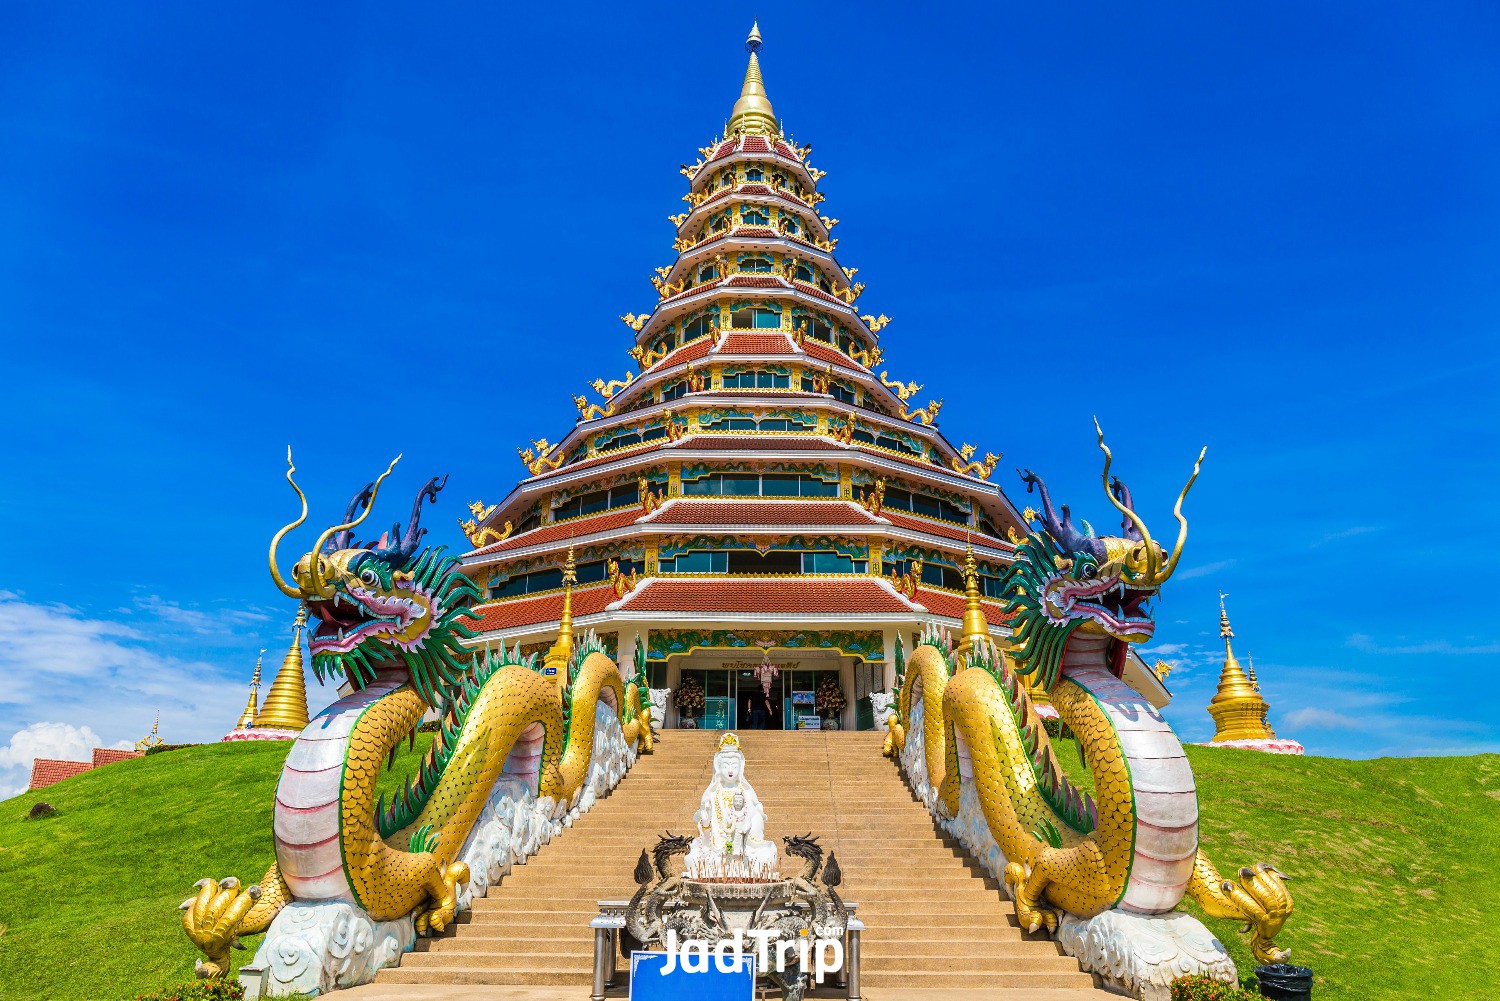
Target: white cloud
{"x":1319,"y":719}
{"x":111,"y":678}
{"x":1347,"y":533}
{"x":1204,"y":570}
{"x":1368,"y":644}
{"x":197,"y":620}
{"x":44,"y":740}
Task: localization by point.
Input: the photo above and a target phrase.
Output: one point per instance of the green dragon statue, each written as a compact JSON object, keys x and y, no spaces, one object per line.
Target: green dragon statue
{"x":965,"y":729}
{"x":390,"y":619}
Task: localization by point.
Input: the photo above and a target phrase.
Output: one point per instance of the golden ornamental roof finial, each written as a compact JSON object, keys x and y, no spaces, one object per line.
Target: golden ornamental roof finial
{"x":752,"y":112}
{"x":555,"y":663}
{"x":1225,"y":632}
{"x":151,"y":739}
{"x":976,"y":626}
{"x":252,"y":706}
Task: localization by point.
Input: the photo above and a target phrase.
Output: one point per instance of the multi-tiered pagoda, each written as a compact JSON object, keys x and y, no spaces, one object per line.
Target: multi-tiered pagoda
{"x":760,"y":490}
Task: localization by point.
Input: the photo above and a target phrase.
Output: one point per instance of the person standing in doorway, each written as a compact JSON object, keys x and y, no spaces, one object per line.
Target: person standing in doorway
{"x":760,"y":709}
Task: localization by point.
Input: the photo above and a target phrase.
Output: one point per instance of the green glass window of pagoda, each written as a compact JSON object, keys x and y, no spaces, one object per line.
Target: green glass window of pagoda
{"x":550,"y":579}
{"x":925,"y":505}
{"x":698,"y":326}
{"x":752,"y":563}
{"x":598,"y":500}
{"x":756,"y":318}
{"x":788,"y":224}
{"x":755,"y":264}
{"x":674,"y":390}
{"x":755,"y":172}
{"x":754,"y":215}
{"x":759,"y":485}
{"x":804,"y":273}
{"x":757,"y":379}
{"x":707,"y":273}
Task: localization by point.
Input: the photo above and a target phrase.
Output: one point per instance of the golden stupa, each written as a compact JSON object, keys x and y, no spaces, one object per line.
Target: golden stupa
{"x":247,"y":718}
{"x":1238,"y":709}
{"x":286,"y":702}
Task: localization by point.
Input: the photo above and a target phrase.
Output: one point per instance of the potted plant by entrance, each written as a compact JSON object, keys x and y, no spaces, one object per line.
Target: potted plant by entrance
{"x":689,"y":700}
{"x":830,"y":702}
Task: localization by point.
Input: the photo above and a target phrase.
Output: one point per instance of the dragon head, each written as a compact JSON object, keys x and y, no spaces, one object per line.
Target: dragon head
{"x":383,"y":604}
{"x":667,"y":847}
{"x":1065,"y":580}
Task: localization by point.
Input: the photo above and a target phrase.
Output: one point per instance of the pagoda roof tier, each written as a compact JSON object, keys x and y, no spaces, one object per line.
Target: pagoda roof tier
{"x":777,"y":242}
{"x":758,"y":513}
{"x":752,"y":516}
{"x":756,"y":193}
{"x":808,"y":596}
{"x":736,"y":148}
{"x":773,"y":286}
{"x":950,"y":605}
{"x":543,"y":608}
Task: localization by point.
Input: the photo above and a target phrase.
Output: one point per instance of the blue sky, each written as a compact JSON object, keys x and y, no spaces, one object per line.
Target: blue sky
{"x":363,"y":231}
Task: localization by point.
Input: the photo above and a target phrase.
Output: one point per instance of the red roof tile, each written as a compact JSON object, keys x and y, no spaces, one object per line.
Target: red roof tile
{"x":691,"y":351}
{"x":757,"y":144}
{"x":951,"y":606}
{"x":724,"y":150}
{"x":756,"y":344}
{"x":758,"y":442}
{"x":567,"y":529}
{"x":796,"y":595}
{"x":785,"y":150}
{"x":944,"y":529}
{"x":761,"y":512}
{"x":912,"y":460}
{"x":545,"y":608}
{"x":755,"y":189}
{"x":50,"y":771}
{"x":755,"y":231}
{"x":823,"y":352}
{"x":756,"y":281}
{"x":109,"y":755}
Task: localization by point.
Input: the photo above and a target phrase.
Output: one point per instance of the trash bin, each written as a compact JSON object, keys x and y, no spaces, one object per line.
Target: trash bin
{"x":1284,"y":982}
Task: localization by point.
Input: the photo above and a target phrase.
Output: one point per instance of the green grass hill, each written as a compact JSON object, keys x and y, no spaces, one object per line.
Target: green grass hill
{"x":1395,"y":863}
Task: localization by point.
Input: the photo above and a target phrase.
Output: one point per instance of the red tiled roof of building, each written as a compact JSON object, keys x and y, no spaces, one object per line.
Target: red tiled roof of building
{"x":544,"y":608}
{"x":725,"y":149}
{"x":109,"y":755}
{"x":913,"y":460}
{"x":755,"y":189}
{"x":761,"y":512}
{"x":757,"y":144}
{"x":780,"y":595}
{"x":50,"y":771}
{"x":756,"y":231}
{"x":567,"y":529}
{"x":760,"y":442}
{"x":784,"y":150}
{"x":756,"y":344}
{"x":946,"y":530}
{"x":755,"y":281}
{"x":691,"y":351}
{"x":823,"y":352}
{"x":951,"y":606}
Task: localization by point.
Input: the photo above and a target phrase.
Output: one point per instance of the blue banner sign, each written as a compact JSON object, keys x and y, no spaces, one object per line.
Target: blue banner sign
{"x":651,"y":981}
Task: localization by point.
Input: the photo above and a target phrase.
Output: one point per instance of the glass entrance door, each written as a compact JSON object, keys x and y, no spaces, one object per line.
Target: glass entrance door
{"x":718,"y":700}
{"x":799,"y":708}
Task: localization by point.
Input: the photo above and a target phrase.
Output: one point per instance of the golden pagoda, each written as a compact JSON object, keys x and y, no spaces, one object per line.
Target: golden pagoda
{"x":1238,"y":709}
{"x":286,"y":702}
{"x":247,"y":718}
{"x":758,"y":487}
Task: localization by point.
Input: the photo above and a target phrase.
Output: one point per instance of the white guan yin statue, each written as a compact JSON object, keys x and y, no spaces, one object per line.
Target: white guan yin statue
{"x":731,"y":821}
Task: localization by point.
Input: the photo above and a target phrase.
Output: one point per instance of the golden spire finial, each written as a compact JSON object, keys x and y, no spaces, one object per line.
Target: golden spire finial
{"x":247,"y":718}
{"x":976,"y":626}
{"x":1237,"y":707}
{"x":151,"y":739}
{"x":555,"y":663}
{"x":752,"y":112}
{"x":285,"y":707}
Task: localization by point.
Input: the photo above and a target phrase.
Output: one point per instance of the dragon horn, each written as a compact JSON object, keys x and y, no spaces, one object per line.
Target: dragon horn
{"x":317,"y":586}
{"x":1181,"y":521}
{"x":287,"y":589}
{"x":1129,"y":513}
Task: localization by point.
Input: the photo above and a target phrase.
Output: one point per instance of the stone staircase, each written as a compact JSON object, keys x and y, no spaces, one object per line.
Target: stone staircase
{"x":936,"y":925}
